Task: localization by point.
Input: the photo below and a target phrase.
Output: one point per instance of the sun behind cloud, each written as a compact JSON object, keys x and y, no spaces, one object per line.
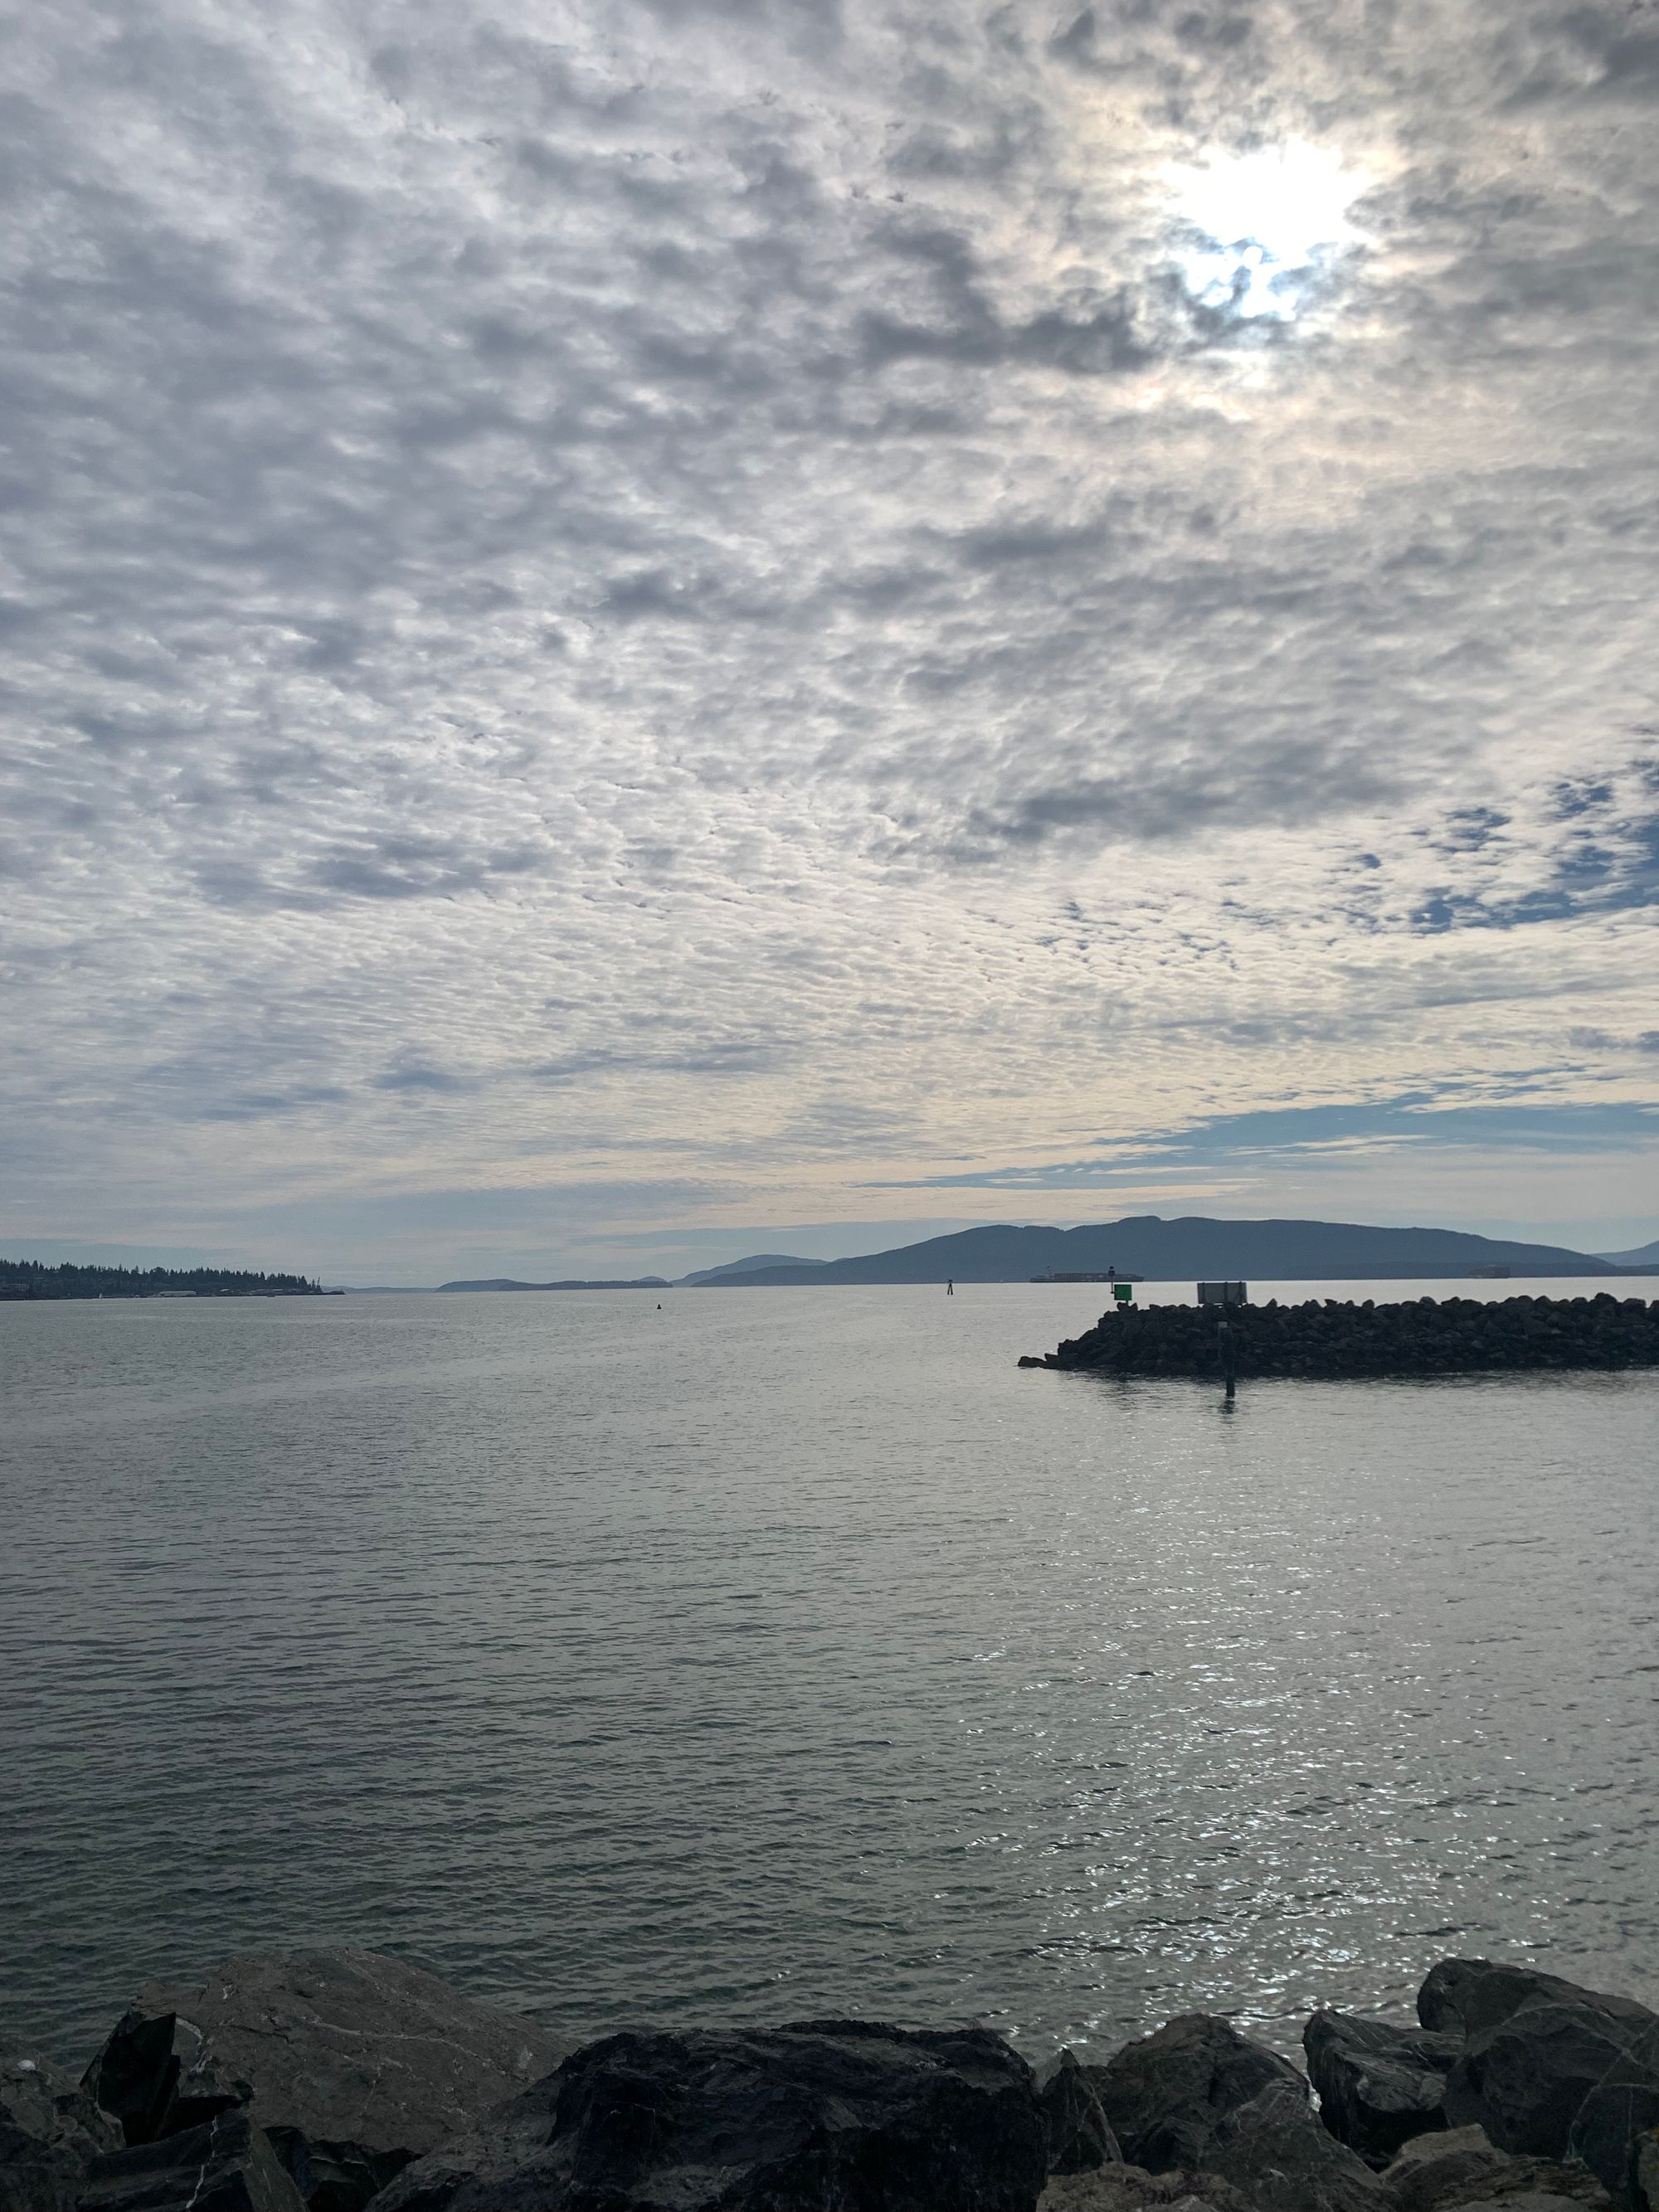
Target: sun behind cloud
{"x":1256,"y":230}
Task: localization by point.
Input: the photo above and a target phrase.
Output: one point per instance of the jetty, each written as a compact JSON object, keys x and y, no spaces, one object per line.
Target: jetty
{"x":1336,"y":1339}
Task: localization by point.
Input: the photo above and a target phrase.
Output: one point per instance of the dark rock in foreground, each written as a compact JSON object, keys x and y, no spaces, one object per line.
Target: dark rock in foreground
{"x":352,"y":2062}
{"x":1275,"y":2152}
{"x":1132,"y":2188}
{"x":1461,"y":2166}
{"x":323,"y":2076}
{"x":225,"y":2165}
{"x":825,"y":2116}
{"x":1378,"y":2086}
{"x":1469,"y":1997}
{"x":1563,"y":2081}
{"x":1074,"y":2123}
{"x":50,"y":2132}
{"x":1644,"y":2170}
{"x":1164,"y":2095}
{"x":1526,"y":2081}
{"x":1549,"y":2069}
{"x":1335,"y":1340}
{"x":504,"y":2144}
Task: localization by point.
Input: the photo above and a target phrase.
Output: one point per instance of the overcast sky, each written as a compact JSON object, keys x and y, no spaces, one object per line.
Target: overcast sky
{"x":631,"y":627}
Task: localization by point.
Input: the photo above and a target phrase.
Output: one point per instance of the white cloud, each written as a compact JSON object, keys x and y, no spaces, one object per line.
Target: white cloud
{"x":684,"y":597}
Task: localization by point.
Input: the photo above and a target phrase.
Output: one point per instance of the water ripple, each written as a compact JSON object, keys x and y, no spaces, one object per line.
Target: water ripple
{"x":794,"y":1654}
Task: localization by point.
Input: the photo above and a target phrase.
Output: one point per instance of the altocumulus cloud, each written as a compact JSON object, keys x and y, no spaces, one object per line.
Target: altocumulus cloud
{"x":692,"y":605}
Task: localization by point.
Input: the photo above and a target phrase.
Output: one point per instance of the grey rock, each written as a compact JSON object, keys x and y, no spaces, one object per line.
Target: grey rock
{"x":1528,"y":2200}
{"x":1436,"y":2168}
{"x":823,"y":2116}
{"x":1275,"y":2150}
{"x":1528,"y":2080}
{"x":1132,"y":2188}
{"x":1644,"y":2164}
{"x":504,"y":2143}
{"x":1378,"y":2085}
{"x":1645,"y":2170}
{"x":1163,"y":2095}
{"x":1469,"y":1997}
{"x":155,"y":2077}
{"x":224,"y":2164}
{"x":1079,"y":2135}
{"x":1617,"y":2115}
{"x":1549,"y":2070}
{"x":49,"y":2132}
{"x":1463,"y":2165}
{"x":352,"y":2064}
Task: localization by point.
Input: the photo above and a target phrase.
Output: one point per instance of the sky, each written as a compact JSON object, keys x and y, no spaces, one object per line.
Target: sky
{"x":636,"y":632}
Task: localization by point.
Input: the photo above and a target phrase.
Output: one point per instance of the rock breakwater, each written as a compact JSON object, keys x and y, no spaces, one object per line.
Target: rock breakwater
{"x":1333,"y":1338}
{"x":344,"y":2082}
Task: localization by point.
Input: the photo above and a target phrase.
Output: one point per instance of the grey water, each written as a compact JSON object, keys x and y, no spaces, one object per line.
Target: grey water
{"x":783,"y":1654}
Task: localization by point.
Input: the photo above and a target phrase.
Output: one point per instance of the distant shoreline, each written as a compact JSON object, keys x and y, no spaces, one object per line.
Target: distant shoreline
{"x":10,"y":1296}
{"x":36,"y":1282}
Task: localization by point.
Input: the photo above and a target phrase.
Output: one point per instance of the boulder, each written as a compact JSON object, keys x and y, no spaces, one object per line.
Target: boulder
{"x":1132,"y":2188}
{"x":1463,"y":2165}
{"x":1276,"y":2152}
{"x":352,"y":2064}
{"x":224,"y":2164}
{"x":1617,"y":2116}
{"x":1528,"y":2200}
{"x":1469,"y":1997}
{"x":504,"y":2143}
{"x":1074,"y":2123}
{"x":1378,"y":2085}
{"x":49,"y":2132}
{"x":1644,"y":2164}
{"x":1563,"y":2074}
{"x":1525,"y":2079}
{"x":1163,"y":2095}
{"x":842,"y":2115}
{"x":156,"y":2076}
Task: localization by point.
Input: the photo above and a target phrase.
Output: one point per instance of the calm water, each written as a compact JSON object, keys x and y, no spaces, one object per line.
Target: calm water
{"x":789,"y":1653}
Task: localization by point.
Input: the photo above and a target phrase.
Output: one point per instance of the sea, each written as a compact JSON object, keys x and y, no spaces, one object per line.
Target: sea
{"x":712,"y":1656}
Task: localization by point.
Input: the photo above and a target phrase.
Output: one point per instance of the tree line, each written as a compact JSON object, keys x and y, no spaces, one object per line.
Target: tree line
{"x":37,"y":1278}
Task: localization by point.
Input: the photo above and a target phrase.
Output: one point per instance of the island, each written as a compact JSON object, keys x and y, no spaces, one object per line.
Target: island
{"x":36,"y":1279}
{"x":1143,"y":1247}
{"x":573,"y":1283}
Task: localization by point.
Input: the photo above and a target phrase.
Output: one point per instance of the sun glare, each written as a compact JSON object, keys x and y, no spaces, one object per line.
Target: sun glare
{"x":1257,"y":228}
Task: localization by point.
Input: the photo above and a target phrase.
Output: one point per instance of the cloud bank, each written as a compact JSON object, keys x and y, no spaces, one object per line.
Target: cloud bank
{"x":642,"y":614}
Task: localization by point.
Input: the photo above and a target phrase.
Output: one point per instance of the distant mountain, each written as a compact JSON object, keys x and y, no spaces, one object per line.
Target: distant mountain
{"x":1644,"y":1255}
{"x":1187,"y":1250}
{"x":747,"y":1266}
{"x":505,"y":1283}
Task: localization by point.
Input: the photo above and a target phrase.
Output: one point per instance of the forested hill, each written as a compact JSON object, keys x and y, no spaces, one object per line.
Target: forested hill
{"x":1169,"y":1251}
{"x":33,"y":1279}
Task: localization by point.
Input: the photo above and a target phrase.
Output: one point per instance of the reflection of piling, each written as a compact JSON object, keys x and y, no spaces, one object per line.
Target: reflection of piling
{"x":1228,"y":1352}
